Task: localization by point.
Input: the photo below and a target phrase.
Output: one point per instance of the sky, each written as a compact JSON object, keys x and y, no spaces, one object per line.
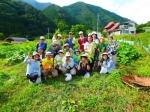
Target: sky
{"x":136,"y":10}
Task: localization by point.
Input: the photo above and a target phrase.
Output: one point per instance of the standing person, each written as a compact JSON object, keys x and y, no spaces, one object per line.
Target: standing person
{"x":75,"y":57}
{"x":68,"y":49}
{"x":84,"y":66}
{"x":95,"y":38}
{"x":81,"y":41}
{"x":49,"y":66}
{"x":59,"y":40}
{"x":33,"y":67}
{"x":111,"y":48}
{"x":54,"y":48}
{"x":89,"y":49}
{"x":68,"y":67}
{"x":41,"y":44}
{"x":70,"y":40}
{"x":107,"y":64}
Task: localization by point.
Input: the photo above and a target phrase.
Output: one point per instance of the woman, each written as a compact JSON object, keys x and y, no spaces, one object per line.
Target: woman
{"x":81,"y":41}
{"x":58,"y":58}
{"x":84,"y":66}
{"x":59,"y":40}
{"x":75,"y":57}
{"x":33,"y":67}
{"x":107,"y":65}
{"x":95,"y":38}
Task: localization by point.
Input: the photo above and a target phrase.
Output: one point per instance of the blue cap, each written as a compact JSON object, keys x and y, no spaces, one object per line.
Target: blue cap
{"x":40,"y":48}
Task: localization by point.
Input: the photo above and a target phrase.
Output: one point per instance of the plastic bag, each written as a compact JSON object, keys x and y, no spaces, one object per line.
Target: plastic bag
{"x":103,"y":70}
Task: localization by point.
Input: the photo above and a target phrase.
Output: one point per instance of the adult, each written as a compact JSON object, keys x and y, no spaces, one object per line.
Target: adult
{"x":70,"y":40}
{"x":68,"y":68}
{"x":41,"y":44}
{"x":59,"y":58}
{"x":41,"y":53}
{"x":54,"y":48}
{"x":49,"y":66}
{"x":107,"y":64}
{"x":76,"y":57}
{"x":33,"y":67}
{"x":84,"y":66}
{"x":95,"y":37}
{"x":68,"y":49}
{"x":111,"y":48}
{"x":81,"y":41}
{"x":59,"y":40}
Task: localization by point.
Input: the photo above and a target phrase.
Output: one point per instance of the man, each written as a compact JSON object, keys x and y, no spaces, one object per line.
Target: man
{"x":49,"y":66}
{"x":84,"y":66}
{"x":81,"y":41}
{"x":70,"y":40}
{"x":68,"y":49}
{"x":54,"y":48}
{"x":41,"y":44}
{"x":68,"y":67}
{"x":41,"y":53}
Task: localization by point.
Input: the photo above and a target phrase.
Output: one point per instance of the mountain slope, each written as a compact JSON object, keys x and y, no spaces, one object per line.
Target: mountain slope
{"x":19,"y":17}
{"x":87,"y":14}
{"x":60,"y":17}
{"x":35,"y":4}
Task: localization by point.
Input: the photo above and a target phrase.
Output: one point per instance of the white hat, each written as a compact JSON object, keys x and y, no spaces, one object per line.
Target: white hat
{"x":41,"y":37}
{"x":54,"y":41}
{"x":48,"y":53}
{"x":80,"y":32}
{"x":83,"y":55}
{"x":60,"y":51}
{"x":68,"y":54}
{"x":59,"y":35}
{"x":35,"y":53}
{"x":90,"y":34}
{"x":105,"y":53}
{"x":94,"y":32}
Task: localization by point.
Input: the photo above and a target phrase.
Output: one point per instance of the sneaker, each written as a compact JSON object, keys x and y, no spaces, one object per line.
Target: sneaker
{"x":87,"y":75}
{"x":69,"y":77}
{"x":30,"y":81}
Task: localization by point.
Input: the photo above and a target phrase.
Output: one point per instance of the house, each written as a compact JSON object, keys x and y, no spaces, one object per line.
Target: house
{"x":118,"y":29}
{"x":16,"y":40}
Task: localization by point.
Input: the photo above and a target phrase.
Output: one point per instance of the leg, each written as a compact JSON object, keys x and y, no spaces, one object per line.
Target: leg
{"x":54,"y":73}
{"x":46,"y":73}
{"x":73,"y":71}
{"x":64,"y":70}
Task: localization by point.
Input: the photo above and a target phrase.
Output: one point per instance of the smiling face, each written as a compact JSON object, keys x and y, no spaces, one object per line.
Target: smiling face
{"x":94,"y":36}
{"x":105,"y":57}
{"x":67,"y":47}
{"x":89,"y":39}
{"x":83,"y":59}
{"x":110,"y":39}
{"x":36,"y":57}
{"x":40,"y":51}
{"x":60,"y":54}
{"x":41,"y":40}
{"x":48,"y":57}
{"x":77,"y":53}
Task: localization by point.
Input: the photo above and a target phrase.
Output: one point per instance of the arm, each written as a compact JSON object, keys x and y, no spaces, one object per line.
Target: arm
{"x":39,"y":71}
{"x":71,"y":63}
{"x":27,"y":60}
{"x":79,"y":66}
{"x":37,"y":45}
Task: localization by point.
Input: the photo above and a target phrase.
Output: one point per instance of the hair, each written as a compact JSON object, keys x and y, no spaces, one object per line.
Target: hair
{"x":91,"y":37}
{"x":111,"y":37}
{"x":107,"y":57}
{"x":102,"y":39}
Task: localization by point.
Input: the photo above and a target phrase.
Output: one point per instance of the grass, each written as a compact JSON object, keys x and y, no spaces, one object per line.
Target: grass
{"x":99,"y":93}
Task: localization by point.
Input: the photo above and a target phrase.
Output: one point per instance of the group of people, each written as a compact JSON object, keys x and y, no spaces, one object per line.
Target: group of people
{"x":62,"y":58}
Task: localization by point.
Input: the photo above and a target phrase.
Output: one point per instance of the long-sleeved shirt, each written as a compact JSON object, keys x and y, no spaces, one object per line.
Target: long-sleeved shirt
{"x":109,"y":65}
{"x":81,"y":42}
{"x":68,"y":65}
{"x":33,"y":67}
{"x":42,"y":45}
{"x":54,"y":49}
{"x":88,"y":47}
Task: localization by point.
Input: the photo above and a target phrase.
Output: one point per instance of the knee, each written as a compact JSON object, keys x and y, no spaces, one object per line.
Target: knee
{"x":73,"y":72}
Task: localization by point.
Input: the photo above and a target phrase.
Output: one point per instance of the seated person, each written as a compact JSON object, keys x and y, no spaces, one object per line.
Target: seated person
{"x":68,"y":67}
{"x":75,"y":57}
{"x":84,"y":66}
{"x":68,"y":49}
{"x":107,"y":64}
{"x":59,"y":58}
{"x":49,"y":66}
{"x":33,"y":67}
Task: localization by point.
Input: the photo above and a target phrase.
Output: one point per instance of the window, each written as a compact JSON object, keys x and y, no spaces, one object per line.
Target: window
{"x":132,"y":32}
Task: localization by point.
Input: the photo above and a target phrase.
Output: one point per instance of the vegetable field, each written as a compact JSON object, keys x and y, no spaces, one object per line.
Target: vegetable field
{"x":99,"y":93}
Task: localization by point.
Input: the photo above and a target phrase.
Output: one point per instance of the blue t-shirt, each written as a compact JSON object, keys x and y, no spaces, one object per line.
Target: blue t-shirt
{"x":69,"y":41}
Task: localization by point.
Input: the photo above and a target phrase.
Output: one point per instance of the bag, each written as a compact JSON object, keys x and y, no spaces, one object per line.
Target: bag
{"x":103,"y":70}
{"x":38,"y":80}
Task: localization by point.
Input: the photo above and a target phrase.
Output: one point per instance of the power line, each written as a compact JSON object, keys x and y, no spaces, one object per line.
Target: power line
{"x":120,"y":5}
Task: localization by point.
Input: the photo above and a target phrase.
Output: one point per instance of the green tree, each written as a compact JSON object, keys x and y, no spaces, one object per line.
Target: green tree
{"x":76,"y":28}
{"x":2,"y":37}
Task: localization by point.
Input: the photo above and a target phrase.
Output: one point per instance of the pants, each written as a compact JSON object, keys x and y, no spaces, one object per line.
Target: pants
{"x":53,"y":73}
{"x":32,"y":77}
{"x":71,"y":71}
{"x":113,"y":57}
{"x":82,"y":71}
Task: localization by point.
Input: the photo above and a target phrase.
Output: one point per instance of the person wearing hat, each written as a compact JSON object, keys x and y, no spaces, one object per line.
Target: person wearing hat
{"x":70,"y":40}
{"x":95,"y":38}
{"x":41,"y":44}
{"x":59,"y":40}
{"x":33,"y":67}
{"x":76,"y":57}
{"x":81,"y":41}
{"x":49,"y":66}
{"x":84,"y":66}
{"x":54,"y":48}
{"x":107,"y":64}
{"x":68,"y":49}
{"x":59,"y":58}
{"x":68,"y":68}
{"x":41,"y":53}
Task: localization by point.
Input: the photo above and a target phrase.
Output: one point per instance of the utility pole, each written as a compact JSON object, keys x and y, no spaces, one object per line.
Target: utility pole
{"x":97,"y":20}
{"x":48,"y":32}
